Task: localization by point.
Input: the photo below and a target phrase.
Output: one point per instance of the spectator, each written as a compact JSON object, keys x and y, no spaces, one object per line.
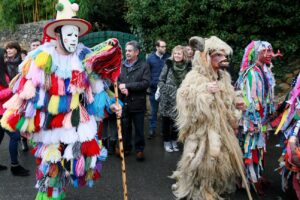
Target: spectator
{"x":35,"y":43}
{"x":13,"y":59}
{"x":23,"y":54}
{"x":190,"y":52}
{"x":133,"y":83}
{"x":5,"y":94}
{"x":170,"y":79}
{"x":156,"y":61}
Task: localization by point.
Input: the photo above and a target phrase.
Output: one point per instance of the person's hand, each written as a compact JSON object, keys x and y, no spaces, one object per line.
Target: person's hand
{"x":124,"y":91}
{"x":213,"y":87}
{"x":122,"y":86}
{"x":116,"y":109}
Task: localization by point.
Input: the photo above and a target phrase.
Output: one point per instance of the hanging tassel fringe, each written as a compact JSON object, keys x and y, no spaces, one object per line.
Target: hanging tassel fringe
{"x":53,"y":105}
{"x":90,"y":148}
{"x":28,"y":91}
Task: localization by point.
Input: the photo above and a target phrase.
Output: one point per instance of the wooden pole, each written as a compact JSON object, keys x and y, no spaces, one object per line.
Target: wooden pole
{"x":239,"y":164}
{"x":119,"y":127}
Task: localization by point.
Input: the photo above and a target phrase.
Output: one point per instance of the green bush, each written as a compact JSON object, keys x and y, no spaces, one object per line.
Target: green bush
{"x":235,"y":21}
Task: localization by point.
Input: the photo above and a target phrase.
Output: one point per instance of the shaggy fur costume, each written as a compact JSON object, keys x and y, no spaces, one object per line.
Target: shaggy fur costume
{"x":207,"y":167}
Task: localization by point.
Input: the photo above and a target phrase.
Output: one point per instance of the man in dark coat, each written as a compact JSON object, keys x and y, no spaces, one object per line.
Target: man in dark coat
{"x":133,"y":83}
{"x":156,"y":61}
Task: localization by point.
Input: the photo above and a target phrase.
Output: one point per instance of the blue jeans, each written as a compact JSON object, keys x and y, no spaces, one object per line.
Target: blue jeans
{"x":154,"y":109}
{"x":13,"y":146}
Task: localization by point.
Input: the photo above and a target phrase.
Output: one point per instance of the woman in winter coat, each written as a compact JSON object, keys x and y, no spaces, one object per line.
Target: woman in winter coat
{"x":174,"y":71}
{"x":5,"y":94}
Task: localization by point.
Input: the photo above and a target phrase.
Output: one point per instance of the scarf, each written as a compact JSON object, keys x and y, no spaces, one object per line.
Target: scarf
{"x":13,"y":66}
{"x":179,"y":71}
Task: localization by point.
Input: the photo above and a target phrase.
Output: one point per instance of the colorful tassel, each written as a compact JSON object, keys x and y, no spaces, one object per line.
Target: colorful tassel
{"x":90,"y":148}
{"x":25,"y":67}
{"x":13,"y":119}
{"x":20,"y":123}
{"x":80,"y":166}
{"x":24,"y":126}
{"x":53,"y":171}
{"x":41,"y":98}
{"x":28,"y":91}
{"x":36,"y":74}
{"x":15,"y":102}
{"x":67,"y":83}
{"x":54,"y":85}
{"x":52,"y":154}
{"x":84,"y":116}
{"x":53,"y":105}
{"x":63,"y":104}
{"x":57,"y":121}
{"x":42,"y":59}
{"x":21,"y":85}
{"x":30,"y":110}
{"x":67,"y":121}
{"x":37,"y":121}
{"x":74,"y":101}
{"x":76,"y":150}
{"x":30,"y":127}
{"x":61,"y":87}
{"x":88,"y":130}
{"x":75,"y":118}
{"x":68,"y":154}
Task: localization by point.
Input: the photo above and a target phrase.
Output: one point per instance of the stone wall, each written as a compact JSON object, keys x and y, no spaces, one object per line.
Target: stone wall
{"x":23,"y":34}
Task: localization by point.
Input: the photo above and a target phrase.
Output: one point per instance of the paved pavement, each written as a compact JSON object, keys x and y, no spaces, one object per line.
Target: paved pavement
{"x":147,"y":180}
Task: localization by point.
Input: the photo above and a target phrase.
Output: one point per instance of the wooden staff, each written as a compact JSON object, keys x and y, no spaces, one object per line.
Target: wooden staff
{"x":239,"y":164}
{"x":119,"y":127}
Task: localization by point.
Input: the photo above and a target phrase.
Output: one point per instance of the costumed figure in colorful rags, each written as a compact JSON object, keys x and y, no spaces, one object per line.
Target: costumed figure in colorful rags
{"x":289,"y":126}
{"x":58,"y":96}
{"x":256,"y":82}
{"x":208,"y":167}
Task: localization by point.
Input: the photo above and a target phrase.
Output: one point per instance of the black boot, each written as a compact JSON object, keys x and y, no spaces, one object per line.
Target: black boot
{"x":2,"y":167}
{"x":18,"y":170}
{"x":24,"y":144}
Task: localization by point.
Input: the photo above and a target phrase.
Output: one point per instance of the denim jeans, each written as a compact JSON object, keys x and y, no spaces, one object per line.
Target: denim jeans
{"x":13,"y":146}
{"x":137,"y":119}
{"x":154,"y":109}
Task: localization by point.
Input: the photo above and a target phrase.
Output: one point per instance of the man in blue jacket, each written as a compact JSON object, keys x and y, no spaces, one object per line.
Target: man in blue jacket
{"x":156,"y":61}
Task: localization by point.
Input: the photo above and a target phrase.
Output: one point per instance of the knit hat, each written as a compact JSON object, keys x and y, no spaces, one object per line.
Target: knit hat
{"x":66,"y":15}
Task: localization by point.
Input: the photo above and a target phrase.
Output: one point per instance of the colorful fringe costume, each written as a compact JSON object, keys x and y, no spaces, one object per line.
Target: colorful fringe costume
{"x":257,"y":84}
{"x":56,"y":102}
{"x":207,"y":167}
{"x":290,"y":125}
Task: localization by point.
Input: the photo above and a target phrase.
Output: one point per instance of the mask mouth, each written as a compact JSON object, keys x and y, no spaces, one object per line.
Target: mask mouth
{"x":224,"y":64}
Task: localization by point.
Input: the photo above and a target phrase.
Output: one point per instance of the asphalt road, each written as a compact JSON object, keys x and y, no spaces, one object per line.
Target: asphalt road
{"x":147,"y":180}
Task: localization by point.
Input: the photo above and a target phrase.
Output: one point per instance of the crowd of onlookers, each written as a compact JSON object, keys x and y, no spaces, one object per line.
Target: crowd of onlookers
{"x":159,"y":76}
{"x":10,"y":58}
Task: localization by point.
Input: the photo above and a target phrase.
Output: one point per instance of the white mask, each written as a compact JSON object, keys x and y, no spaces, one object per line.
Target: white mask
{"x":69,"y":37}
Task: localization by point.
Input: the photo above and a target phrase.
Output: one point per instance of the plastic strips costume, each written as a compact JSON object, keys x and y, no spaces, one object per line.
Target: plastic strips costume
{"x":56,"y":102}
{"x":290,"y":126}
{"x":257,"y":84}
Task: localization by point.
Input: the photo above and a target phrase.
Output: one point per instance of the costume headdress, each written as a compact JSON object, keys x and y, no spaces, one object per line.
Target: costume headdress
{"x":251,"y":53}
{"x":66,"y":15}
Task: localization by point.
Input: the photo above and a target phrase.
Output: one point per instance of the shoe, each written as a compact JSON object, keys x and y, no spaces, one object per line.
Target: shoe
{"x":18,"y":170}
{"x":24,"y":145}
{"x":175,"y":146}
{"x":2,"y":167}
{"x":151,"y":134}
{"x":168,"y":147}
{"x":140,"y":156}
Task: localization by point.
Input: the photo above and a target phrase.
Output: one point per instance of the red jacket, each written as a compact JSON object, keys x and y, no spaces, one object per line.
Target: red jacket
{"x":5,"y":94}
